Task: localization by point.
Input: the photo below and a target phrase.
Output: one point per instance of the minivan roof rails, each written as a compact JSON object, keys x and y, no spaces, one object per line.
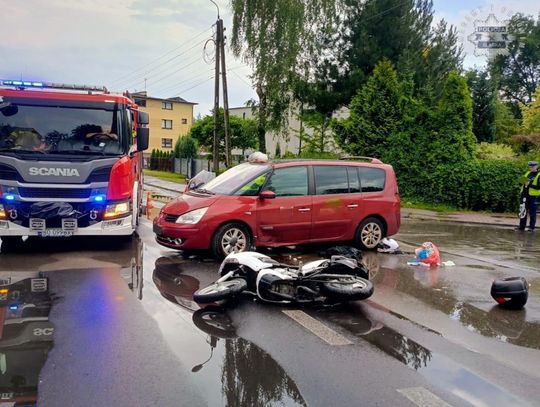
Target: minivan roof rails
{"x":360,"y":158}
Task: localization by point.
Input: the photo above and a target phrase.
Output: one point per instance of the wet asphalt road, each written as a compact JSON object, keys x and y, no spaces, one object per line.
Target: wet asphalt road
{"x":127,"y":333}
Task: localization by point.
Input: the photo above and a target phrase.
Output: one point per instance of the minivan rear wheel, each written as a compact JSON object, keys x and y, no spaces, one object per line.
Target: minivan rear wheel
{"x":369,"y":233}
{"x":229,"y":238}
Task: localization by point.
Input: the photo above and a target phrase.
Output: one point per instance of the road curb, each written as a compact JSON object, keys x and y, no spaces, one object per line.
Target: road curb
{"x":177,"y":191}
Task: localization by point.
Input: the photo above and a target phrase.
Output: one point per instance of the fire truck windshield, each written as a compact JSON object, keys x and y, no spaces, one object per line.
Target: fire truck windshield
{"x":87,"y":129}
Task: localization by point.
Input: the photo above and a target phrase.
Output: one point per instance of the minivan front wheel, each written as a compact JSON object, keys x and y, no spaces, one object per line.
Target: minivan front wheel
{"x":369,"y":233}
{"x":231,"y":238}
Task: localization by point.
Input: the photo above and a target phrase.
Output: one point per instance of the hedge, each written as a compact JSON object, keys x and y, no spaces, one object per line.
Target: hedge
{"x":490,"y":185}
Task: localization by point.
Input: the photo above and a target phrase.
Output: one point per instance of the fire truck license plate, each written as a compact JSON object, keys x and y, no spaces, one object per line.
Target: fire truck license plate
{"x":55,"y":233}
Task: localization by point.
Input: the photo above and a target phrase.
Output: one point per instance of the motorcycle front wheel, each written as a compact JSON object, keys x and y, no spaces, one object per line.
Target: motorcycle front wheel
{"x":220,"y":291}
{"x":348,"y":288}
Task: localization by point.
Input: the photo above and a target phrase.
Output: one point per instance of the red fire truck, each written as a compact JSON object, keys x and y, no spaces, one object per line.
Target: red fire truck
{"x":70,"y":161}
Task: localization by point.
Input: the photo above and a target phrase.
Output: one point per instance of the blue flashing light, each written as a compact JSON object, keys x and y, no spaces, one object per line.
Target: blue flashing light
{"x":9,"y":197}
{"x":27,"y":84}
{"x":13,"y":307}
{"x":99,"y":198}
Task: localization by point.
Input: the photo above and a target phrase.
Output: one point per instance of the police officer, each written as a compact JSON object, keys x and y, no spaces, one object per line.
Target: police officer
{"x":530,"y":191}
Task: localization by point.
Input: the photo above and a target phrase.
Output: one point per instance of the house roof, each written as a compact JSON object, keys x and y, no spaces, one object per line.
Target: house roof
{"x":177,"y":99}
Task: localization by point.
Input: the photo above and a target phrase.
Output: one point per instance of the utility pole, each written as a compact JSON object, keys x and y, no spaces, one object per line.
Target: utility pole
{"x":215,"y":150}
{"x":220,"y":59}
{"x":228,"y":158}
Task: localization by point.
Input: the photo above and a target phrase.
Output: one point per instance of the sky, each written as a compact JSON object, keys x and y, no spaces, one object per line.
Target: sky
{"x":158,"y":45}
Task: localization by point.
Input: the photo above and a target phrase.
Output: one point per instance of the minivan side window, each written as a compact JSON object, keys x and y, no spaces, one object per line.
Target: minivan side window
{"x":292,"y":181}
{"x":331,"y":180}
{"x":354,"y":183}
{"x":372,"y":179}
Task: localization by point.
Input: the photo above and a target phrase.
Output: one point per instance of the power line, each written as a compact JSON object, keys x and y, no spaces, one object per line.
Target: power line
{"x":163,"y":63}
{"x":242,"y":79}
{"x":166,"y":71}
{"x":182,"y":82}
{"x":162,"y":56}
{"x":174,"y":72}
{"x":194,"y":86}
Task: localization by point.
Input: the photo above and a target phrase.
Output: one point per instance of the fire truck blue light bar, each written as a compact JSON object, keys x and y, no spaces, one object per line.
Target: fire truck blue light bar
{"x":23,"y":83}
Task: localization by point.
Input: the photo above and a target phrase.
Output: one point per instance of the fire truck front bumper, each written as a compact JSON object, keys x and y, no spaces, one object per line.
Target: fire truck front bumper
{"x":114,"y":227}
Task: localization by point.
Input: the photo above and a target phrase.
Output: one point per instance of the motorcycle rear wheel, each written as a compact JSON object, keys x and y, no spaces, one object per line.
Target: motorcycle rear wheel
{"x":220,"y":291}
{"x":348,"y":288}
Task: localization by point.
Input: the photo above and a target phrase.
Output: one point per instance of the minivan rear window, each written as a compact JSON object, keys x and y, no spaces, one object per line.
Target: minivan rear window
{"x":372,"y":179}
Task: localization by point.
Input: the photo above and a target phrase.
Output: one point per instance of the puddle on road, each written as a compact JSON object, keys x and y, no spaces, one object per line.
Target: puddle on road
{"x":436,"y":289}
{"x":26,"y":335}
{"x":479,"y":267}
{"x":502,"y":244}
{"x":436,"y":368}
{"x":248,"y":375}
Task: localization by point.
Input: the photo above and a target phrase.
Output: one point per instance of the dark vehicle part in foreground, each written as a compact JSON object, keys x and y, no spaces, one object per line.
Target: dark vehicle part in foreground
{"x":511,"y":292}
{"x":26,"y":336}
{"x":338,"y":279}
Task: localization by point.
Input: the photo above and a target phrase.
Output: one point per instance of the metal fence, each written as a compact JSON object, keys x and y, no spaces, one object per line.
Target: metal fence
{"x":188,"y":167}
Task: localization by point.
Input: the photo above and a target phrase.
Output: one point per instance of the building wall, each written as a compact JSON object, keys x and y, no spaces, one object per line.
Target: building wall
{"x":180,"y":112}
{"x":288,"y":140}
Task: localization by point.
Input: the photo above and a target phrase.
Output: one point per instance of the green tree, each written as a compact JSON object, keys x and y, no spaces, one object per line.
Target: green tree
{"x":369,"y":31}
{"x":506,"y":124}
{"x":531,"y":115}
{"x":375,"y":114}
{"x":243,"y":132}
{"x":186,"y":147}
{"x":454,"y":140}
{"x":270,"y":35}
{"x":518,"y":71}
{"x":484,"y":98}
{"x":319,"y":140}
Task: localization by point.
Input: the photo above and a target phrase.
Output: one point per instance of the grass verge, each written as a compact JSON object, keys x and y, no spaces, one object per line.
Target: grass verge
{"x":166,"y":176}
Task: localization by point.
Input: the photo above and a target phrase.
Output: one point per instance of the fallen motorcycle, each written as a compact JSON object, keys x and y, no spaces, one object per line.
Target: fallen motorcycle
{"x":337,"y":279}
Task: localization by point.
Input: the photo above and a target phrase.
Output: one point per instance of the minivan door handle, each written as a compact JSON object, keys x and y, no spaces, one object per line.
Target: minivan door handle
{"x":304,"y":210}
{"x":352,"y":206}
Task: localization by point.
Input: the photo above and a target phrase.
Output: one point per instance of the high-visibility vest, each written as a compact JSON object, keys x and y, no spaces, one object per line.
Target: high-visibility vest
{"x":532,"y":191}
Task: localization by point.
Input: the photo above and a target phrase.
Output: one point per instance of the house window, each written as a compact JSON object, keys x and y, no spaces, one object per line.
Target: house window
{"x":141,"y":102}
{"x":166,"y":142}
{"x":166,"y":124}
{"x":166,"y":105}
{"x":184,"y":121}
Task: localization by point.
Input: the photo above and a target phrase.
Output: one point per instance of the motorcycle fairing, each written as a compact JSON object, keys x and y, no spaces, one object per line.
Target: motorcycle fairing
{"x":267,"y":277}
{"x":255,"y":261}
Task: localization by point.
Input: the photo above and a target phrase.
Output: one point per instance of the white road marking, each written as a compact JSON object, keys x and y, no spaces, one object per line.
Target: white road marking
{"x":318,"y":328}
{"x":423,"y":397}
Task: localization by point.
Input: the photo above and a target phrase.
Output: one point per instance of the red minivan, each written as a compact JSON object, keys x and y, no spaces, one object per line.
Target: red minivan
{"x":284,"y":203}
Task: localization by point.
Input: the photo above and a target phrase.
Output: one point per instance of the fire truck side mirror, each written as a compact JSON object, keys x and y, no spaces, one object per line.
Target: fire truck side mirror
{"x":143,"y":118}
{"x":143,"y":138}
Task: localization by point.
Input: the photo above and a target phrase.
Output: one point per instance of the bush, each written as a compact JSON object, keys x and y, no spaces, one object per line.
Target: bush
{"x":477,"y":185}
{"x":494,"y":151}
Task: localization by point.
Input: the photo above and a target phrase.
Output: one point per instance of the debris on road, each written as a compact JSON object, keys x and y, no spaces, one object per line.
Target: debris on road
{"x":426,"y":255}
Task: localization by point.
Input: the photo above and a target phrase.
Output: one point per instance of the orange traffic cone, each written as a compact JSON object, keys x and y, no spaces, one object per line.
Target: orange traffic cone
{"x":149,"y":204}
